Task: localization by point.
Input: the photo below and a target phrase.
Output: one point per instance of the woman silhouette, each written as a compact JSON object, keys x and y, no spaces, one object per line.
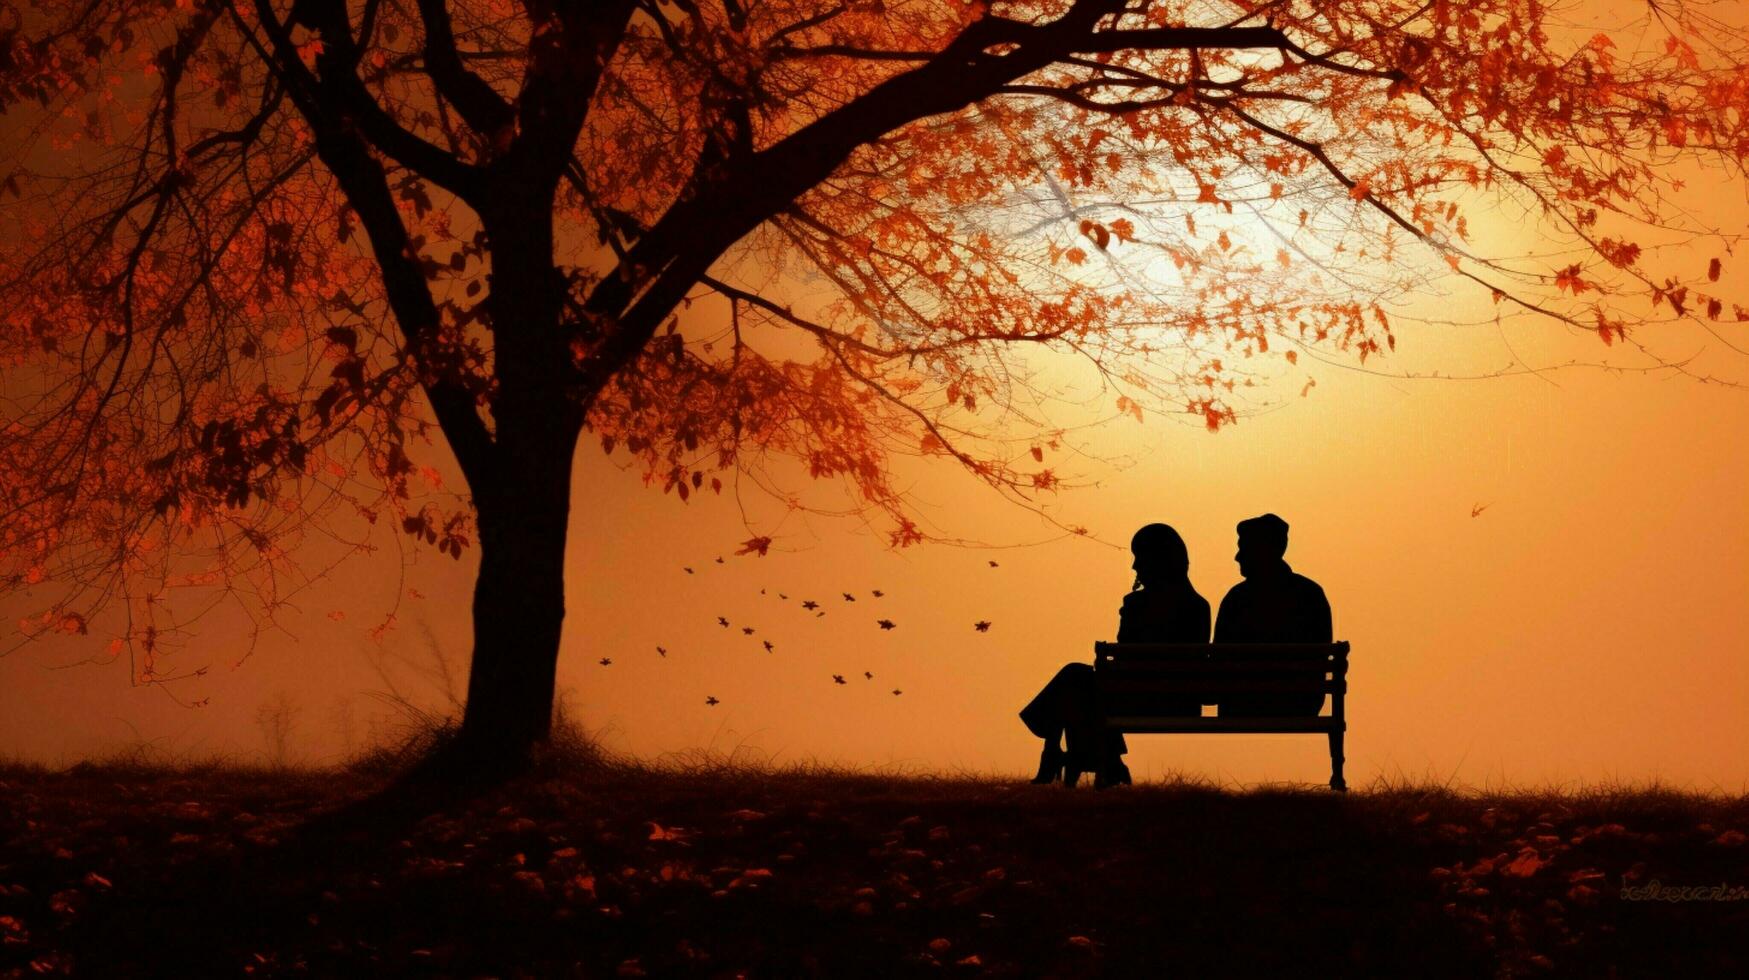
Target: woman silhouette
{"x":1162,"y":607}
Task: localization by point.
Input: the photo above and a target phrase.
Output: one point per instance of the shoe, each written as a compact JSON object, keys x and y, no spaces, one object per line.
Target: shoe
{"x":1078,"y":759}
{"x":1071,"y":774}
{"x":1050,"y":765}
{"x":1113,"y":773}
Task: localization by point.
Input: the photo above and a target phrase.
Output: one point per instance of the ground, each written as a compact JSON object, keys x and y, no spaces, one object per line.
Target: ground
{"x":593,"y":867}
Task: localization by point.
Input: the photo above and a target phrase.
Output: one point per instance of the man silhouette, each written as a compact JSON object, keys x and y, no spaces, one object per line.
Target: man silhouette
{"x":1274,"y":604}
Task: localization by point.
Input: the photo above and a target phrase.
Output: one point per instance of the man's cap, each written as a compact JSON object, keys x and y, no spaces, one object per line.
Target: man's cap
{"x":1265,"y":528}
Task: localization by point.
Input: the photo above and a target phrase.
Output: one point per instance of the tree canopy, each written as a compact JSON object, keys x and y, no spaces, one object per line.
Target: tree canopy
{"x":260,"y":258}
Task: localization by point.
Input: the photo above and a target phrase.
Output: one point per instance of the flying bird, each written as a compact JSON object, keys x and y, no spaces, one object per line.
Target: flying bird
{"x":993,"y":565}
{"x":723,"y":620}
{"x":839,"y":679}
{"x":982,"y":626}
{"x":849,"y":598}
{"x":747,"y":630}
{"x":886,"y":624}
{"x":719,"y":559}
{"x":868,"y":675}
{"x":761,"y":591}
{"x":810,"y":604}
{"x":662,"y":650}
{"x":877,"y":593}
{"x":897,"y":692}
{"x":1476,"y":511}
{"x":768,"y":647}
{"x":689,"y":570}
{"x":820,"y":613}
{"x":712,"y":702}
{"x":780,"y":595}
{"x":605,"y":661}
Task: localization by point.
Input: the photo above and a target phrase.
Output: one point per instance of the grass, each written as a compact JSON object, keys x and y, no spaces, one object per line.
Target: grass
{"x":591,"y":865}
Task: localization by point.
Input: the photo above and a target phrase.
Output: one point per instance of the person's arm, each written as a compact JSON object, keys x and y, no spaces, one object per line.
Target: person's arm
{"x":1123,"y":617}
{"x":1227,"y":621}
{"x":1321,"y":616}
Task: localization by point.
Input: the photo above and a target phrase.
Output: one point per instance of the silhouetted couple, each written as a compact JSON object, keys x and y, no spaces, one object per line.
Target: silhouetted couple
{"x":1273,"y":604}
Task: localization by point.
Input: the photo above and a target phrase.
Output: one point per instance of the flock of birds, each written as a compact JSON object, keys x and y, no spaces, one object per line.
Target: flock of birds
{"x":810,"y":605}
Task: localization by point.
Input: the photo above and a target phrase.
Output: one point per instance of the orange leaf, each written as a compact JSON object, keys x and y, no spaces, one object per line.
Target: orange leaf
{"x":1526,"y":864}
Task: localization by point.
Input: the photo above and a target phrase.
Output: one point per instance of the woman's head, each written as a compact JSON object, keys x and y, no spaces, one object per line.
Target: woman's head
{"x":1160,"y":555}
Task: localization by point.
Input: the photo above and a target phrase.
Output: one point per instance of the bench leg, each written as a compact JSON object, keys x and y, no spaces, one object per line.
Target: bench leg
{"x":1336,"y":782}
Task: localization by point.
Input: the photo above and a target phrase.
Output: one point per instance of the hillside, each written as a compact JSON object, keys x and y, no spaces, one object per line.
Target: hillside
{"x":591,"y":867}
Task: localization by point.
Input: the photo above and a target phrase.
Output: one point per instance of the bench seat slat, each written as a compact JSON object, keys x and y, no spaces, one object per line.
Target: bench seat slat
{"x":1237,"y":651}
{"x":1167,"y":724}
{"x":1211,"y":687}
{"x":1120,"y":667}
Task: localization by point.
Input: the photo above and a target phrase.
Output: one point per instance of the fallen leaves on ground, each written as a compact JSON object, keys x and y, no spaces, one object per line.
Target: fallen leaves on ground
{"x":637,"y":872}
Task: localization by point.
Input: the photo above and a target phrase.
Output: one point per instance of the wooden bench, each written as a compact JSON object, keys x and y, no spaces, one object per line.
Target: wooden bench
{"x":1212,"y":672}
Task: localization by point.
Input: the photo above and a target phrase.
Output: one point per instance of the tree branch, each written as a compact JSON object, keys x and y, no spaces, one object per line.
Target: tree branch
{"x":344,"y":152}
{"x":480,"y":105}
{"x":336,"y":96}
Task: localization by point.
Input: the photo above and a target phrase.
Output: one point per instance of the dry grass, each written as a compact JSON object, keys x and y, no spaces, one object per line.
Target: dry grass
{"x":707,"y":864}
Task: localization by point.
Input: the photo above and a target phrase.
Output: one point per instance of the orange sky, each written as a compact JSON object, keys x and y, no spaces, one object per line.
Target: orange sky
{"x":1588,"y":625}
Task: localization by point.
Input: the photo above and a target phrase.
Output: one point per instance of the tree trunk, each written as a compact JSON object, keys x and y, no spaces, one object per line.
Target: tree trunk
{"x":519,"y":598}
{"x":522,"y":498}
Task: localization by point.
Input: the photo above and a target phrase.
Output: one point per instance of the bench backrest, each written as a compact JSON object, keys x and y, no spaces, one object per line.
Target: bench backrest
{"x":1212,"y":670}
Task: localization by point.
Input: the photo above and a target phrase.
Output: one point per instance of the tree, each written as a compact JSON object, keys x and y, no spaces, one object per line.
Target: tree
{"x":257,"y":254}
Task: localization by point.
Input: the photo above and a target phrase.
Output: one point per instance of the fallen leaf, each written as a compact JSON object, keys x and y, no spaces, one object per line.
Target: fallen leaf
{"x":1526,"y":864}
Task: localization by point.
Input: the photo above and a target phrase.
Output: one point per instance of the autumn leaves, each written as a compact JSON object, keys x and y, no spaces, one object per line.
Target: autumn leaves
{"x":847,"y":604}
